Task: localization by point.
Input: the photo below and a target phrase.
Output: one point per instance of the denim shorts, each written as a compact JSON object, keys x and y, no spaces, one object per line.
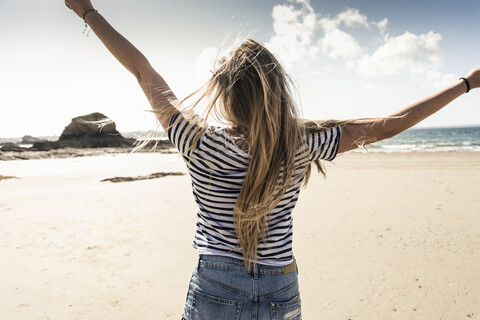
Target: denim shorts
{"x":220,"y":288}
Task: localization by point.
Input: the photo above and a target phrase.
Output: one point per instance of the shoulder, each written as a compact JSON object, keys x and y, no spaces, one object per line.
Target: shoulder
{"x":323,"y":143}
{"x":184,"y":130}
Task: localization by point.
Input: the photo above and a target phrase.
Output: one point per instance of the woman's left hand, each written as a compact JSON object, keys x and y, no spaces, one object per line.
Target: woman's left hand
{"x":79,"y":6}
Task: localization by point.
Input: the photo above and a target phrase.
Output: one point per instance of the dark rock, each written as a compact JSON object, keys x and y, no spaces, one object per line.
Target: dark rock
{"x":158,"y":144}
{"x":7,"y":144}
{"x":93,"y":130}
{"x":7,"y":177}
{"x":13,"y":148}
{"x":83,"y":132}
{"x":93,"y":125}
{"x":155,"y":175}
{"x":31,"y":140}
{"x":84,"y":143}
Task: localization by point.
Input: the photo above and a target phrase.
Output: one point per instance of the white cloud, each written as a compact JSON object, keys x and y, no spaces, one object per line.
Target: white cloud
{"x":339,"y":44}
{"x":352,"y":18}
{"x":294,"y":26}
{"x":432,"y":77}
{"x":347,"y":18}
{"x":405,"y":53}
{"x":381,"y":25}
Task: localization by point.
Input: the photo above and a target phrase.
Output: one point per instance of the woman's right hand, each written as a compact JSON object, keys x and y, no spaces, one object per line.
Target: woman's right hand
{"x":474,"y":78}
{"x":79,"y":6}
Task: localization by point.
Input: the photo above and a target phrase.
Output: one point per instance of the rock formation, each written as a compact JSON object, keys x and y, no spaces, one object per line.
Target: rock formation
{"x":31,"y":140}
{"x":93,"y":130}
{"x":93,"y":125}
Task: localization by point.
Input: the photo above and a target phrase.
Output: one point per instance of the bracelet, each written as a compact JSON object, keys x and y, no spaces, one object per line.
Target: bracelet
{"x":86,"y":24}
{"x":86,"y":12}
{"x":466,"y":82}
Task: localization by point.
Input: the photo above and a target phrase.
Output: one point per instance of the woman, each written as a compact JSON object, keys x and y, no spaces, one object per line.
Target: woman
{"x":246,"y":177}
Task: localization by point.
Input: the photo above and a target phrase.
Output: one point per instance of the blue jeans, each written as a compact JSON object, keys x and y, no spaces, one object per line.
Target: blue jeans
{"x":221,"y":289}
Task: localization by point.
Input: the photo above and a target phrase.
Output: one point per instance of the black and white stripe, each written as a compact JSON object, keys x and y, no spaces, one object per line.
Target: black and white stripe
{"x":217,"y":167}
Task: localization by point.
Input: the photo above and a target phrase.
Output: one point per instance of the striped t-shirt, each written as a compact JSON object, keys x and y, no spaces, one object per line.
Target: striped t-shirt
{"x":217,"y":167}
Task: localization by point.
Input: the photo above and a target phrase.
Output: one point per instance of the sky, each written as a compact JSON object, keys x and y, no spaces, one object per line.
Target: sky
{"x":347,"y":59}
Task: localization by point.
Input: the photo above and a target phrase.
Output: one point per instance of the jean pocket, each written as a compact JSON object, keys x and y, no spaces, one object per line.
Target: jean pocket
{"x":289,"y":310}
{"x":207,"y":307}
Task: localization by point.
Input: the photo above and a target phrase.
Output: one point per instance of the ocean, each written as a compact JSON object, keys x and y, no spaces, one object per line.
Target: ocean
{"x":412,"y":140}
{"x":431,"y":140}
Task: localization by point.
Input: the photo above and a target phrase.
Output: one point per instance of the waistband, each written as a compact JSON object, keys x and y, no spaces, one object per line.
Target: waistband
{"x":233,"y":264}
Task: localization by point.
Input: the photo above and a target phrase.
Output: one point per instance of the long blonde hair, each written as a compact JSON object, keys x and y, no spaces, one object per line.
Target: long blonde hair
{"x":251,"y":91}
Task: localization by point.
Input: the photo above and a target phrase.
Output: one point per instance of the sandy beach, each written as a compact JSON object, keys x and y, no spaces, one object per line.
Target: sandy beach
{"x":385,"y":236}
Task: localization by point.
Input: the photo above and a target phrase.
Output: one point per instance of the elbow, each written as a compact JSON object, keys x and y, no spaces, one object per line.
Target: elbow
{"x":138,"y":76}
{"x":387,"y":135}
{"x":390,"y":127}
{"x":142,"y":72}
{"x":142,"y":77}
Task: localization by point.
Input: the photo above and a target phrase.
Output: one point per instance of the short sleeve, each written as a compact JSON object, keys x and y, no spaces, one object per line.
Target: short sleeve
{"x":182,"y":131}
{"x":324,"y":144}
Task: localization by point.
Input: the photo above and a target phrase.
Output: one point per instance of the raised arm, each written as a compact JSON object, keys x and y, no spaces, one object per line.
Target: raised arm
{"x":365,"y":131}
{"x":154,"y":86}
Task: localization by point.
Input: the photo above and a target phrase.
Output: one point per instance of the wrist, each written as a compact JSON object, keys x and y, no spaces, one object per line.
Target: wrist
{"x":466,"y":84}
{"x":473,"y":78}
{"x":88,"y":12}
{"x":473,"y":83}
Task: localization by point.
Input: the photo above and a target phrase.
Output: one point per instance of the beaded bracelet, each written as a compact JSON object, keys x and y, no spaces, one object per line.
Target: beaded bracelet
{"x":86,"y":12}
{"x":466,"y":82}
{"x":84,"y":19}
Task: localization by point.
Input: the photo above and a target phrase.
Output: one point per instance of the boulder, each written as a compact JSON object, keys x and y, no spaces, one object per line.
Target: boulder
{"x":84,"y":143}
{"x":31,"y":140}
{"x":93,"y":130}
{"x":12,"y":148}
{"x":2,"y":144}
{"x":93,"y":125}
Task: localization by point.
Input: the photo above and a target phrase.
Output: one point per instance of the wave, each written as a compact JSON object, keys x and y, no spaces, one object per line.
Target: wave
{"x":404,"y":148}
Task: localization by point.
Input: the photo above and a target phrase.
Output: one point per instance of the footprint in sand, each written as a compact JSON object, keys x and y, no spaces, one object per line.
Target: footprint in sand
{"x":114,"y":303}
{"x":4,"y":208}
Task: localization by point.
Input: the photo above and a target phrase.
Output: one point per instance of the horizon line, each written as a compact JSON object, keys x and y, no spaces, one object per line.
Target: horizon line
{"x":163,"y":131}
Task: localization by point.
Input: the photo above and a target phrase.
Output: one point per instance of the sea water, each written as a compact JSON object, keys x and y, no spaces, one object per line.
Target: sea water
{"x":425,"y":140}
{"x":431,"y":140}
{"x":412,"y":140}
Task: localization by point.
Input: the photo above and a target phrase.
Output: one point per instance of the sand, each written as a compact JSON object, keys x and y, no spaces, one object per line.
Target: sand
{"x":385,"y":236}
